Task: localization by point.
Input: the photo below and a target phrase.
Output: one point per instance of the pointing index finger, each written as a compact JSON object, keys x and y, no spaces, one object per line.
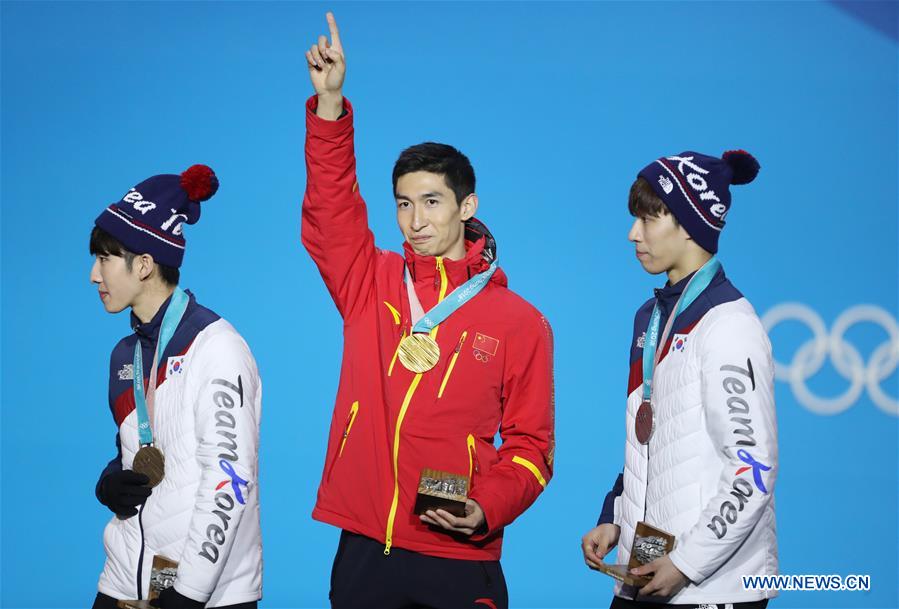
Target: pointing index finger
{"x":335,"y":33}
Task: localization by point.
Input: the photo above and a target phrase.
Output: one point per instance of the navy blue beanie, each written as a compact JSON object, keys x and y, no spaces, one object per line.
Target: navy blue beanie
{"x":696,"y":189}
{"x":149,"y":218}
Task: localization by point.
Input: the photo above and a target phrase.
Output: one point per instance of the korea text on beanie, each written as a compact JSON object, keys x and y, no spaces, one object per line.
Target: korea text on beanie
{"x":696,"y":189}
{"x":149,"y":218}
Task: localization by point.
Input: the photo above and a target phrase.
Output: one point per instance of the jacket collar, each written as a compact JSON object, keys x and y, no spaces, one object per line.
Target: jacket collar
{"x":667,"y":296}
{"x":670,"y":293}
{"x":150,"y":330}
{"x":479,"y":247}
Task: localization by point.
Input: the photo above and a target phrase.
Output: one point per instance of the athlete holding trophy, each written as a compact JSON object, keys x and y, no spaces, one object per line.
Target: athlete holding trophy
{"x":693,"y":510}
{"x":438,"y":356}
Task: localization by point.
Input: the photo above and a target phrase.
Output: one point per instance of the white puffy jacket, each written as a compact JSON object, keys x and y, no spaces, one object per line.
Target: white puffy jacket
{"x":704,"y":476}
{"x":205,"y":513}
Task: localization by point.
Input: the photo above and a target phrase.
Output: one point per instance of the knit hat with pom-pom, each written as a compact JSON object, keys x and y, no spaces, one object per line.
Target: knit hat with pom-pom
{"x":149,"y":217}
{"x":696,"y":189}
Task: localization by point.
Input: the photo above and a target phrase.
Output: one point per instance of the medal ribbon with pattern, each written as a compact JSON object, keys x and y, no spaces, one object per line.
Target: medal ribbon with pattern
{"x":418,"y":351}
{"x":644,"y":423}
{"x":149,"y":459}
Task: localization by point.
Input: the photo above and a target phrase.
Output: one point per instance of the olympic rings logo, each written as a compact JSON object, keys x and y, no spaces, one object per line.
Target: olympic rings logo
{"x":481,"y":356}
{"x":846,"y":359}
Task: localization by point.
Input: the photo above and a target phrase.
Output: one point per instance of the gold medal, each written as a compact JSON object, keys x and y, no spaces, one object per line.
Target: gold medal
{"x":150,"y":462}
{"x":419,"y":353}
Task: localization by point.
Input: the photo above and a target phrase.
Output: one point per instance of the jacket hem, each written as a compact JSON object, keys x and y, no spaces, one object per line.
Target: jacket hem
{"x":224,"y":601}
{"x":457,"y":551}
{"x":192,"y":593}
{"x":237,"y":599}
{"x":230,"y":599}
{"x":717,"y":598}
{"x":110,"y":592}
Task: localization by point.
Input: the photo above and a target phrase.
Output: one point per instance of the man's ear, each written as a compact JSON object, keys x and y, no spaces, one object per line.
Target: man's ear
{"x":145,"y":265}
{"x":469,"y":207}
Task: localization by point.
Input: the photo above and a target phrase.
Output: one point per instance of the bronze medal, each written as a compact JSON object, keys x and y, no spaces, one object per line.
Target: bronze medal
{"x":643,"y":423}
{"x":419,"y":353}
{"x":150,"y":462}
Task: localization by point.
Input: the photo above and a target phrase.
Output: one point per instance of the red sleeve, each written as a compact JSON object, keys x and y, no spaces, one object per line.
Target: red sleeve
{"x":335,"y":221}
{"x":526,"y":456}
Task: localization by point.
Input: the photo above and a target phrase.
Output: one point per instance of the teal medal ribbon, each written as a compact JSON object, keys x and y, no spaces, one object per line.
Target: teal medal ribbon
{"x":644,"y":423}
{"x":170,"y":321}
{"x":451,"y":303}
{"x":418,"y":352}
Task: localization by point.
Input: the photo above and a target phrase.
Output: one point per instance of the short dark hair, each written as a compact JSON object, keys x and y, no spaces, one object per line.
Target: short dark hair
{"x":441,"y":159}
{"x":104,"y":244}
{"x":642,"y":201}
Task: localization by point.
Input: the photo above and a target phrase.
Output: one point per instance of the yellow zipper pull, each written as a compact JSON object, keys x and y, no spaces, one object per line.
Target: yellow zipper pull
{"x":472,"y":460}
{"x":387,"y":545}
{"x":350,"y":419}
{"x":452,"y":364}
{"x":437,"y":276}
{"x":444,"y":282}
{"x":461,"y":340}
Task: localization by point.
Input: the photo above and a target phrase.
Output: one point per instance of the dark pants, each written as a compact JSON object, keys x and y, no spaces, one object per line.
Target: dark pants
{"x":362,"y":576}
{"x":107,"y":602}
{"x":623,"y":603}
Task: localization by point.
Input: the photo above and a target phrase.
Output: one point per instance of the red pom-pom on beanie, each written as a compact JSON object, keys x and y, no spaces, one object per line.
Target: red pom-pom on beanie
{"x":743,"y":164}
{"x":199,"y":182}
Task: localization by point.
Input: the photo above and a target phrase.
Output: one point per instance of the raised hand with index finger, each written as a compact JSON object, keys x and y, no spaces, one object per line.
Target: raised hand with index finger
{"x":327,"y":70}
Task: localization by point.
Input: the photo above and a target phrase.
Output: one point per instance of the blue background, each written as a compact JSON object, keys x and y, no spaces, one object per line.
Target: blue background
{"x":558,"y":106}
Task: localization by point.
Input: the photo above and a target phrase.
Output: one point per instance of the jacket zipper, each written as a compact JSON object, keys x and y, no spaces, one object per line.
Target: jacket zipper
{"x":396,"y":353}
{"x":472,"y":460}
{"x":452,"y":364}
{"x":350,"y":419}
{"x":140,"y":557}
{"x":347,"y":426}
{"x":391,"y":517}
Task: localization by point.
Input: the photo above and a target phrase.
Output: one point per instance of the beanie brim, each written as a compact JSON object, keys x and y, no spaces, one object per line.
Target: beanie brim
{"x":141,"y":238}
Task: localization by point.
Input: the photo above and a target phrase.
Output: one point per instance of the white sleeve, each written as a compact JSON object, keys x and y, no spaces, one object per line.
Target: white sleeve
{"x":738,"y":402}
{"x":227,"y":430}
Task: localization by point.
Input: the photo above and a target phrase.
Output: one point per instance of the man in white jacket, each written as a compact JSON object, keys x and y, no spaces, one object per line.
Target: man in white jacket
{"x":185,"y":394}
{"x":701,"y":437}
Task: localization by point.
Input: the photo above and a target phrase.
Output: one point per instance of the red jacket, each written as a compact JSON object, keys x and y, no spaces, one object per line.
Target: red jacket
{"x":495,"y":373}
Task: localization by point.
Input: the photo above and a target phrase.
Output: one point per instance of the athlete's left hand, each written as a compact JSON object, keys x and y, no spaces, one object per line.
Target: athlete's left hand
{"x":667,"y":580}
{"x":474,"y":519}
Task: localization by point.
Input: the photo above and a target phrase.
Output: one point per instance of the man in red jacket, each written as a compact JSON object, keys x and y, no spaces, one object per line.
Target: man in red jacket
{"x":438,"y":356}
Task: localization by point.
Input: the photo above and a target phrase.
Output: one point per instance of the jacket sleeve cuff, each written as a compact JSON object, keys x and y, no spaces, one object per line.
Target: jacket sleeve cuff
{"x":191,"y":593}
{"x":679,"y":561}
{"x":491,"y":516}
{"x":323,"y":127}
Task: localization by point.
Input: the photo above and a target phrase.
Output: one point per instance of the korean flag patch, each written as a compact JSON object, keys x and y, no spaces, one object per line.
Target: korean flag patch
{"x":679,"y":343}
{"x":175,"y":366}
